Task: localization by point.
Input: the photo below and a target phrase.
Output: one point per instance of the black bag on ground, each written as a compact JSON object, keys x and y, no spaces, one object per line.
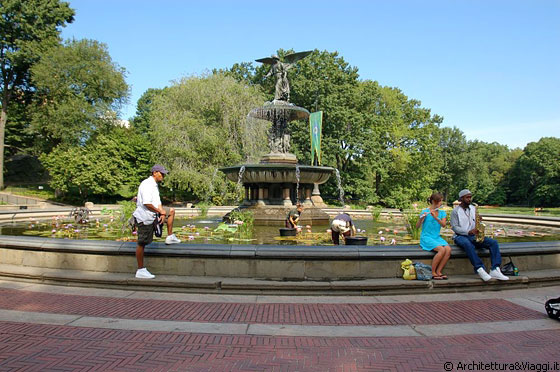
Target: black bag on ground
{"x":552,"y":308}
{"x":510,"y":269}
{"x":158,"y":227}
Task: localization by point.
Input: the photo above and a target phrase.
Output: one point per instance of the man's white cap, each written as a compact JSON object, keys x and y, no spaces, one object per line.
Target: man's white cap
{"x":464,"y":192}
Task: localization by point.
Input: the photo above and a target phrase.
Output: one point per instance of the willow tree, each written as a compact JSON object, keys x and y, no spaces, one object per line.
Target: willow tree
{"x":198,"y":125}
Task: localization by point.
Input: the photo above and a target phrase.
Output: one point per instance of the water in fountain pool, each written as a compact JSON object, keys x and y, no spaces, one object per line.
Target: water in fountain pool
{"x":388,"y":230}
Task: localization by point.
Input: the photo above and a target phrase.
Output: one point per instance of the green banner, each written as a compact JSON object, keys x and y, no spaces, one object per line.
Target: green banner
{"x":315,"y":123}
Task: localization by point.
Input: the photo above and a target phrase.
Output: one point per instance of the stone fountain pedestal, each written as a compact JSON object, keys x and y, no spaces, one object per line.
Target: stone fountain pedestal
{"x":278,"y":182}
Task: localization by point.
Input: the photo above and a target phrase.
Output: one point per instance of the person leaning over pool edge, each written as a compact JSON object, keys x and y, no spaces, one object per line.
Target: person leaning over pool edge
{"x":148,"y":204}
{"x":464,"y":226}
{"x":342,"y":225}
{"x":292,"y":219}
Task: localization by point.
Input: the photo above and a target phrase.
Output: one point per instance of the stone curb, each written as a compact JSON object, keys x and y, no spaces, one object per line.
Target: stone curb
{"x":173,"y":283}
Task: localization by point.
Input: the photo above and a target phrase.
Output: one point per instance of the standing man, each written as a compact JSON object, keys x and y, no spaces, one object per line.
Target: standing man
{"x":464,"y":225}
{"x":342,"y":225}
{"x":148,"y":208}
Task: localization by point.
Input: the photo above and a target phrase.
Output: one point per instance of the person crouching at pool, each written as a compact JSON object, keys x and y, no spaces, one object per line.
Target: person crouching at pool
{"x":342,"y":226}
{"x":432,"y":219}
{"x":293,"y":216}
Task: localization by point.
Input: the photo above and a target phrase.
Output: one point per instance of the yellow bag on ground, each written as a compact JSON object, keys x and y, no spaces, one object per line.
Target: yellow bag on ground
{"x":409,"y":271}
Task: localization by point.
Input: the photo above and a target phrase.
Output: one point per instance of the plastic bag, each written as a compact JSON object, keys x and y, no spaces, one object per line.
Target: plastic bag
{"x":423,"y":271}
{"x":409,"y":271}
{"x":510,"y":269}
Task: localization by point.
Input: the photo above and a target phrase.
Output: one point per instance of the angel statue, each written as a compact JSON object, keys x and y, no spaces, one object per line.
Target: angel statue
{"x":280,"y":69}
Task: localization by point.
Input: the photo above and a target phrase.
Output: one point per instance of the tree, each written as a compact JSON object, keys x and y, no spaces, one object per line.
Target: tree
{"x":26,"y":27}
{"x":198,"y":125}
{"x":141,"y":121}
{"x":382,"y":143}
{"x":479,"y":166}
{"x":453,"y":150}
{"x":79,"y":92}
{"x":111,"y":163}
{"x":535,"y":177}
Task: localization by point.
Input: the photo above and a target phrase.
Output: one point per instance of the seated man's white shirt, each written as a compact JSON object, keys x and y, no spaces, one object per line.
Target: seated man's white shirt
{"x":148,"y":193}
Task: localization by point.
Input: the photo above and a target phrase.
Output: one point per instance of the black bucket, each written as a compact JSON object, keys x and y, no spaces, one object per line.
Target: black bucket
{"x":356,"y":240}
{"x":286,"y":231}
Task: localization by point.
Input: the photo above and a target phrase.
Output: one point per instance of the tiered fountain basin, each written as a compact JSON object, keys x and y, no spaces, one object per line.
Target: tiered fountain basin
{"x":279,"y":110}
{"x":275,"y":173}
{"x":272,"y":189}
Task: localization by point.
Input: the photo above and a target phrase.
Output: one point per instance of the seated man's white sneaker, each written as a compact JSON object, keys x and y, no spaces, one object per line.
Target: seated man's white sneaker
{"x":143,"y":273}
{"x":172,"y":239}
{"x":483,"y":274}
{"x":497,"y":274}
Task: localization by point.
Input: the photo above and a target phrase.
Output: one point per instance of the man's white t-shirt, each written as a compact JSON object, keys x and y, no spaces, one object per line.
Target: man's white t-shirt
{"x":148,"y":193}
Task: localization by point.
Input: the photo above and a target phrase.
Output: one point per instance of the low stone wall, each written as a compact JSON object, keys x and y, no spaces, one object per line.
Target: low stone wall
{"x":276,"y":262}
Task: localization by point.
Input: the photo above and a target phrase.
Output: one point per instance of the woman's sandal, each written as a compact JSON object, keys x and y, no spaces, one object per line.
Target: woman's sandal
{"x":439,"y":277}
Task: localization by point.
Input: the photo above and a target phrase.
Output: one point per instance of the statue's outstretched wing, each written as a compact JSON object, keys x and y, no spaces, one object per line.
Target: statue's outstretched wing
{"x":294,"y":57}
{"x":267,"y":60}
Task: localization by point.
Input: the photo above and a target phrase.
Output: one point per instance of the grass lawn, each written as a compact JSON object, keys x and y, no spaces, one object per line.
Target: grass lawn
{"x":521,"y":210}
{"x":32,"y":190}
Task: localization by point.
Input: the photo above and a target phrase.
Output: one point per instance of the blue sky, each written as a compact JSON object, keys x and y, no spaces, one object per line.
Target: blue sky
{"x":489,"y":67}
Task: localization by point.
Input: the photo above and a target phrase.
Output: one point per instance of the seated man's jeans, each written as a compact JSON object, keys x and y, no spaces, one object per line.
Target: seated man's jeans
{"x":468,"y":244}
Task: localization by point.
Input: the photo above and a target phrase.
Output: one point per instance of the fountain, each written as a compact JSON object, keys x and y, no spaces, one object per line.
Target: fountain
{"x":278,"y":182}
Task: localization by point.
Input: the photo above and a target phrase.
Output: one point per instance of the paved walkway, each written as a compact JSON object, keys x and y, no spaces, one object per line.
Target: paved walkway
{"x":54,"y":328}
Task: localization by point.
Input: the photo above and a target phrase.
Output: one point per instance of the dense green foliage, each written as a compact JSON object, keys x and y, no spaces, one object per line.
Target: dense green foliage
{"x":26,"y":29}
{"x":113,"y":163}
{"x":79,"y":89}
{"x":60,"y":103}
{"x":535,"y":176}
{"x":197,"y":125}
{"x":383,"y":144}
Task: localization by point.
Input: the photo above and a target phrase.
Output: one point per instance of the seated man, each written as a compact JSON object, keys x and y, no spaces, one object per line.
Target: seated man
{"x":293,"y":216}
{"x":342,"y":225}
{"x":464,"y":225}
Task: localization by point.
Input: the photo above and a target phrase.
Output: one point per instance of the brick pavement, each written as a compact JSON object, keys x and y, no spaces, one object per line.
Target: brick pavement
{"x":35,"y":347}
{"x":46,"y":347}
{"x":271,"y":313}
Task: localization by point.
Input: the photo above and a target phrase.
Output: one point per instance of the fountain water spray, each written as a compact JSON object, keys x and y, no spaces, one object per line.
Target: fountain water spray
{"x":211,"y":187}
{"x":340,"y":189}
{"x":240,"y":176}
{"x":297,"y":183}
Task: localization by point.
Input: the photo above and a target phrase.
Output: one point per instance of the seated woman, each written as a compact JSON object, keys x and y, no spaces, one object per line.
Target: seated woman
{"x":432,"y":219}
{"x":342,"y":225}
{"x":293,"y":216}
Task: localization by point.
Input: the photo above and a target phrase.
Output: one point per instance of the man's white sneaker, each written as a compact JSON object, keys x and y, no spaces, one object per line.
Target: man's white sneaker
{"x":172,"y":239}
{"x":143,"y":273}
{"x":483,"y":274}
{"x":497,"y":274}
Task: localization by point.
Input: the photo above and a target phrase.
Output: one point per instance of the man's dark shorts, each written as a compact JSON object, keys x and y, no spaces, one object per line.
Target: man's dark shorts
{"x":145,"y":233}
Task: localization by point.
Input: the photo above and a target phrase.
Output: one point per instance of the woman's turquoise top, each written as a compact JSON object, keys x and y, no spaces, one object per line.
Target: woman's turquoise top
{"x":430,"y":237}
